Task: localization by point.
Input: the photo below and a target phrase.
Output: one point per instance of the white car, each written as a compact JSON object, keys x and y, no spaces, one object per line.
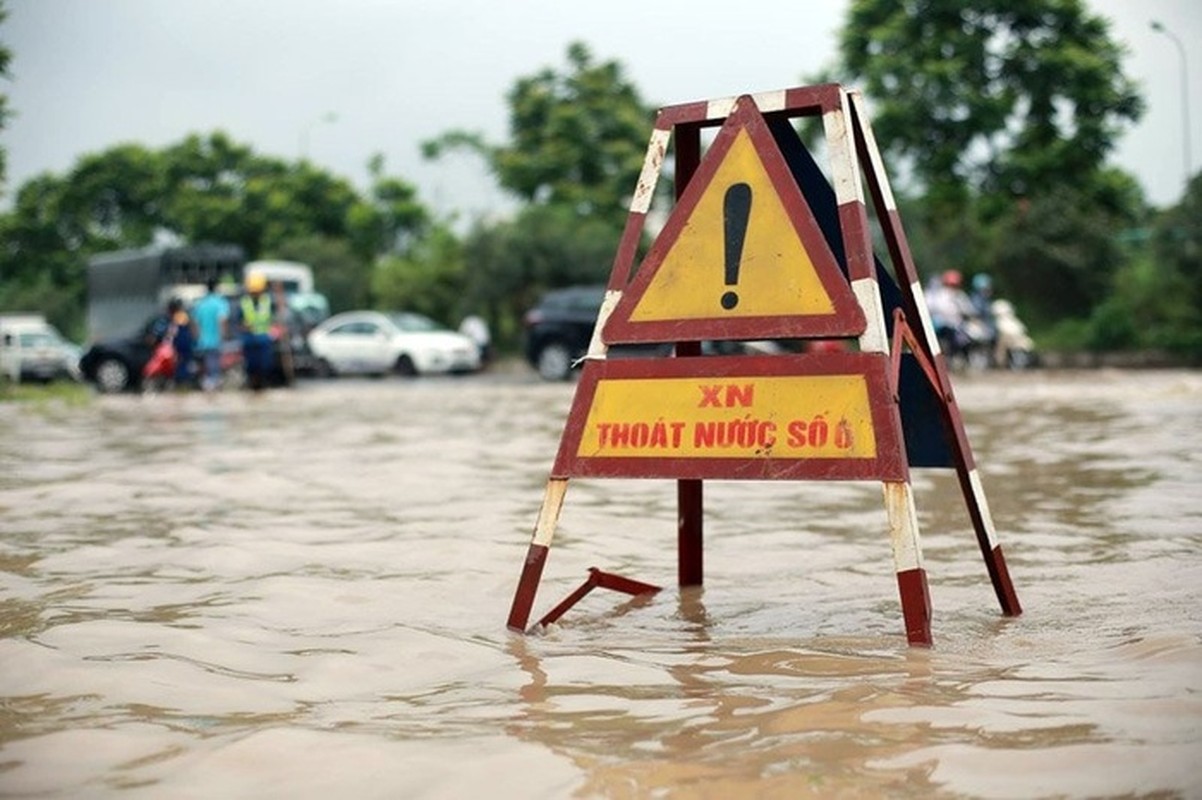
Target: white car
{"x":378,"y":342}
{"x":33,"y":350}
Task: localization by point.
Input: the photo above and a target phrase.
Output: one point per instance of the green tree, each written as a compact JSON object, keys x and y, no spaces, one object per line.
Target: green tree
{"x":511,"y":264}
{"x":204,"y":188}
{"x":1162,"y":292}
{"x":218,"y":190}
{"x":1007,"y":96}
{"x":578,"y":138}
{"x":390,"y":219}
{"x":1177,"y":240}
{"x":5,"y":57}
{"x":1001,"y":114}
{"x":1055,"y":256}
{"x":427,"y":278}
{"x":112,"y":199}
{"x":341,"y":274}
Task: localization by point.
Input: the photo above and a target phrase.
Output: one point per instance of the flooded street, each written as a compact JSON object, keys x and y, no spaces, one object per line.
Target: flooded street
{"x":304,"y":595}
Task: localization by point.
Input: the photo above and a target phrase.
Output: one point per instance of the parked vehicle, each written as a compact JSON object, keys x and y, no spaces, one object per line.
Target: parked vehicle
{"x":401,"y":342}
{"x":31,"y":349}
{"x":115,"y":364}
{"x":1015,"y":347}
{"x":293,"y":275}
{"x":560,"y":328}
{"x":129,"y":286}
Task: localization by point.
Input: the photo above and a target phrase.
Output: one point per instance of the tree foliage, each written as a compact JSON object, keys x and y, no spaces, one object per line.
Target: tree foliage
{"x":338,"y":270}
{"x":509,"y":265}
{"x":389,"y":219}
{"x":5,"y":58}
{"x":1005,"y":96}
{"x":1001,"y":114}
{"x":1177,"y":241}
{"x":578,"y":138}
{"x":1055,"y":256}
{"x":427,"y":278}
{"x":202,"y":189}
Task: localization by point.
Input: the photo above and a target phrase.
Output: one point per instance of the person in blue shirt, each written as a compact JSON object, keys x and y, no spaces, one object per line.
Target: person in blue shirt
{"x":211,"y":314}
{"x":982,"y":301}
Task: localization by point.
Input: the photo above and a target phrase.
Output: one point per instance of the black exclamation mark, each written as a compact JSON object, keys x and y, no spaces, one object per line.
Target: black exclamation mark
{"x":736,"y":209}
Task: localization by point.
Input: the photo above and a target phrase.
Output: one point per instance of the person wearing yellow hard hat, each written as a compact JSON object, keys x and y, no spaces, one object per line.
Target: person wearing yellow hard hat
{"x":254,"y":320}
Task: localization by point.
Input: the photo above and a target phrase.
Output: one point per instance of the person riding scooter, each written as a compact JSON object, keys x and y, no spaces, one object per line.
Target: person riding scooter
{"x":951,"y":312}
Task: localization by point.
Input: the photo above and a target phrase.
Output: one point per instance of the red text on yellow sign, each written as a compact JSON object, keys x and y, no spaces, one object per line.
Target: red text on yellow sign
{"x":757,"y":417}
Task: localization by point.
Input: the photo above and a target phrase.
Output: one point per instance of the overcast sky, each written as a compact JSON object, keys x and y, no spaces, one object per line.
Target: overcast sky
{"x":339,"y":80}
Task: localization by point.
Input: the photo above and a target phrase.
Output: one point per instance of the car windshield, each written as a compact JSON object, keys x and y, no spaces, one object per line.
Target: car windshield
{"x":311,"y":307}
{"x":584,"y":298}
{"x":39,"y":339}
{"x":414,"y":323}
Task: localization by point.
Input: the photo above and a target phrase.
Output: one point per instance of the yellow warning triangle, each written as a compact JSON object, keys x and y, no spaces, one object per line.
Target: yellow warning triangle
{"x":741,"y":255}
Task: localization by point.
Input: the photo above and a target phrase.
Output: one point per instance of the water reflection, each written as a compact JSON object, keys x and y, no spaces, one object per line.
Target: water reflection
{"x":700,"y":721}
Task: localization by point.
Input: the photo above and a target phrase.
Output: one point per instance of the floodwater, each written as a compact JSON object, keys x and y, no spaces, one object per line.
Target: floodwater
{"x":304,"y":595}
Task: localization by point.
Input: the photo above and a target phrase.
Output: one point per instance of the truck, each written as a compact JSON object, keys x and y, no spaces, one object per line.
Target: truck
{"x":292,"y":275}
{"x":128,"y":287}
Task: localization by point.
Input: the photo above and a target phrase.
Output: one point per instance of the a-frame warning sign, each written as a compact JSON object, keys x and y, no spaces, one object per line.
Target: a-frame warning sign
{"x":760,"y":244}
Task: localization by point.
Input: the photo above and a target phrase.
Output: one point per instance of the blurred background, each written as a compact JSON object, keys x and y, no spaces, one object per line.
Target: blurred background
{"x":464,"y":157}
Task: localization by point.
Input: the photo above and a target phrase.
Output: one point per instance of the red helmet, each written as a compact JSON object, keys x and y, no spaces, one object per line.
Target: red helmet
{"x":951,"y":278}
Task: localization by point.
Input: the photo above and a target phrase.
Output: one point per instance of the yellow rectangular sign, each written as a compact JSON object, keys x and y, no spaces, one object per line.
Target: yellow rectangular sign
{"x":829,"y":416}
{"x":755,"y":417}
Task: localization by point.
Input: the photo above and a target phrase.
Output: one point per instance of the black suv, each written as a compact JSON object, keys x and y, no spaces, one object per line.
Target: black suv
{"x":559,"y":328}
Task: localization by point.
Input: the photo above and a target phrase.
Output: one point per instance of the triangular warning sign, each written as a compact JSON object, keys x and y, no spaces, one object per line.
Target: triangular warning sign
{"x":741,"y":256}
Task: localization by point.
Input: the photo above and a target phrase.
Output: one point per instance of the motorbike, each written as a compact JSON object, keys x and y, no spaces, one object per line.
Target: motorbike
{"x":967,"y":346}
{"x":977,"y":345}
{"x":1014,"y":348}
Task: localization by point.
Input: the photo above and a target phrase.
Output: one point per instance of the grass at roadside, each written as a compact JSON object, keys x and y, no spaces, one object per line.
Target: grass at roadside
{"x":74,"y":394}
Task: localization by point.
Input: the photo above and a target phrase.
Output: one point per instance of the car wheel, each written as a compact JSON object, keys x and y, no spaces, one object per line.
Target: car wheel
{"x":554,"y":362}
{"x":324,"y":369}
{"x":405,"y":367}
{"x":112,"y":375}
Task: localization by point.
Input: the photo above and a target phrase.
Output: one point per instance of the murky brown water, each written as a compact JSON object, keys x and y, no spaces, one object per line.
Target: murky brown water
{"x":304,"y":595}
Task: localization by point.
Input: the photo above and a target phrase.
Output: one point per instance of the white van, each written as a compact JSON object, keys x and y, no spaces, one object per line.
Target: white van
{"x":31,"y":349}
{"x":296,"y":278}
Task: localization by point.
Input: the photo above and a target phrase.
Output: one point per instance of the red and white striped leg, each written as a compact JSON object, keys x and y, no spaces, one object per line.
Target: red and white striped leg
{"x":536,"y":554}
{"x":907,"y":562}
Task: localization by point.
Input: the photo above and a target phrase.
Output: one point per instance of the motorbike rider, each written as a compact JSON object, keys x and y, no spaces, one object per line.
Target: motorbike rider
{"x":982,"y":303}
{"x":950,"y":308}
